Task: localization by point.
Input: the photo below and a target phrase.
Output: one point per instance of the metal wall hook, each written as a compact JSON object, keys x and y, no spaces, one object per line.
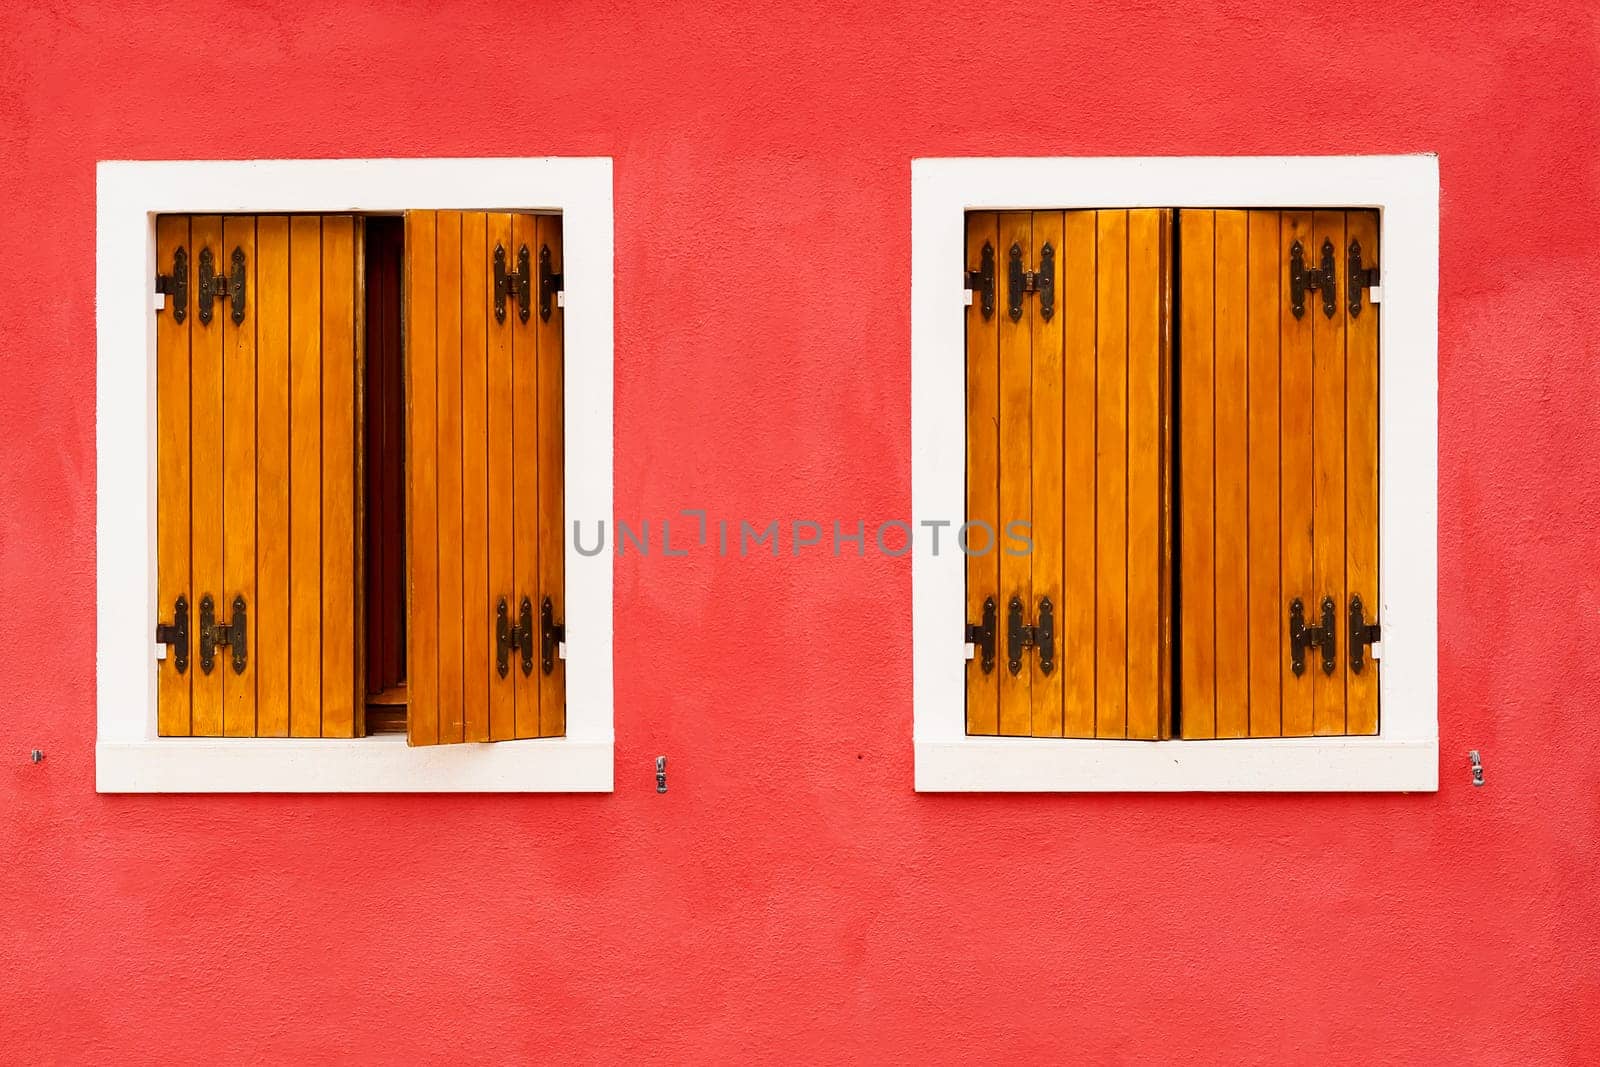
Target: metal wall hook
{"x":661,"y":774}
{"x":1477,"y":767}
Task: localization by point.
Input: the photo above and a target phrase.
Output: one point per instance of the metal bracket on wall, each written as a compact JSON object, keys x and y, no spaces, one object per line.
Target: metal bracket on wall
{"x":175,"y":286}
{"x":981,"y":636}
{"x":1302,"y":637}
{"x":515,"y":283}
{"x":1358,"y":278}
{"x":981,"y":281}
{"x":175,"y":634}
{"x":661,"y":774}
{"x":1041,"y":281}
{"x":215,"y":635}
{"x":212,"y":286}
{"x":1304,"y":279}
{"x":550,"y":283}
{"x":1477,"y":767}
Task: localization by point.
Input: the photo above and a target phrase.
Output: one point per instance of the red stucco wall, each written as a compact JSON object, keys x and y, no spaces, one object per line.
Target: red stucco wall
{"x":791,"y":893}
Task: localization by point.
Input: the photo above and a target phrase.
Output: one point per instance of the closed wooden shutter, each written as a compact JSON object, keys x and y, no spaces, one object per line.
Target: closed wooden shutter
{"x":1278,"y":493}
{"x":1068,"y":417}
{"x":484,"y":467}
{"x":257,"y":477}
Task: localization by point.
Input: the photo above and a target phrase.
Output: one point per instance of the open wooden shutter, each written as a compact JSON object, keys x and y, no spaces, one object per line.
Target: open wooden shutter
{"x":484,"y":467}
{"x":1278,"y":473}
{"x":258,"y":351}
{"x":1068,"y":416}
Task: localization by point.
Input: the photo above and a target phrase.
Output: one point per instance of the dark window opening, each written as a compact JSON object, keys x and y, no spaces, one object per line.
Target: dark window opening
{"x":384,"y":489}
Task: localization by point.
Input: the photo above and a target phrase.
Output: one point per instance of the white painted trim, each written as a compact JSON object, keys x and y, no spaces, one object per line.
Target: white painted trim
{"x":129,"y":755}
{"x":1404,"y":755}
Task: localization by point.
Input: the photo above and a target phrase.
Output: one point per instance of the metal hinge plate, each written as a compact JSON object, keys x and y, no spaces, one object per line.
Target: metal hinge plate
{"x":1304,"y":279}
{"x":1041,"y":281}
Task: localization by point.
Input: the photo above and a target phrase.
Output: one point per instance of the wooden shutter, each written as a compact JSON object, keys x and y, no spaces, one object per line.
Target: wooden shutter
{"x":484,"y":467}
{"x":1278,"y":493}
{"x":1068,"y":417}
{"x":257,"y":477}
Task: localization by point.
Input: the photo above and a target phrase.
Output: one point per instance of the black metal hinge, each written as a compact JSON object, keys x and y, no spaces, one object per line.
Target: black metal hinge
{"x":212,"y":286}
{"x":1041,"y":281}
{"x":981,"y":281}
{"x":981,"y":636}
{"x":1041,"y":635}
{"x":215,"y":635}
{"x":517,"y":283}
{"x":1302,"y":637}
{"x":1362,"y":634}
{"x":1359,"y":278}
{"x":508,"y":637}
{"x":175,"y":286}
{"x":175,"y":635}
{"x":552,"y":633}
{"x":550,"y":283}
{"x":1304,"y":279}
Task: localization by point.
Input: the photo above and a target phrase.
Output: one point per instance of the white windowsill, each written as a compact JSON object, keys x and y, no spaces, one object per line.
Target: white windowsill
{"x":380,"y":764}
{"x":1244,"y":765}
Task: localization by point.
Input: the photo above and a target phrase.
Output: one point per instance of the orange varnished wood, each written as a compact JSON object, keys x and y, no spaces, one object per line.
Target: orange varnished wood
{"x":477,"y":611}
{"x":341,"y":310}
{"x":207,"y":464}
{"x":1016,"y":479}
{"x":422,"y":557}
{"x":239,"y":475}
{"x":525,"y":491}
{"x":501,"y":464}
{"x":552,"y":565}
{"x":1295,"y":472}
{"x":983,"y":470}
{"x":1230,"y":466}
{"x":1046,"y":464}
{"x":1361,"y":473}
{"x":1149,"y":454}
{"x":172,"y":479}
{"x":1075,"y":618}
{"x":1267,"y":614}
{"x":1196,"y":501}
{"x":1328,"y":503}
{"x":269,"y":619}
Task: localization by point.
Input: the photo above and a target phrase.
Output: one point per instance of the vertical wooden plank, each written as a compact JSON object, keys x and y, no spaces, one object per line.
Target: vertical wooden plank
{"x":269,"y":611}
{"x":1111,"y":476}
{"x":172,"y":477}
{"x":1149,"y":303}
{"x":305,"y":476}
{"x":552,"y":561}
{"x":206,"y":473}
{"x":1016,"y":447}
{"x":1328,"y":436}
{"x":1196,"y":499}
{"x":501,"y":463}
{"x":1267,"y":612}
{"x":477,"y":610}
{"x":1361,"y":472}
{"x":1075,"y":621}
{"x":525,"y":493}
{"x":1295,"y":471}
{"x":983,"y":469}
{"x":340,"y":285}
{"x":1046,"y":462}
{"x":448,"y":404}
{"x":422,"y":540}
{"x":239,"y":476}
{"x":1231,"y":466}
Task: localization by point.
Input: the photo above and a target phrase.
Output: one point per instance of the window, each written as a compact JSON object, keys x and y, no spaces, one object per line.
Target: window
{"x":360,"y":441}
{"x":1172,"y":399}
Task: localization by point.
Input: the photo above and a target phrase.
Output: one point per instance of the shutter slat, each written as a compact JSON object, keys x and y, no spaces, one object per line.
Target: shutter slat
{"x":1295,"y":472}
{"x":340,"y":585}
{"x":1233,"y":551}
{"x":1267,"y":612}
{"x":1047,"y":459}
{"x":1111,"y":476}
{"x":305,"y":476}
{"x":1016,"y":447}
{"x":239,"y":474}
{"x":502,"y":460}
{"x":477,"y":609}
{"x":1196,"y":496}
{"x":983,"y":469}
{"x":552,"y":561}
{"x":172,"y":479}
{"x":525,"y":490}
{"x":207,"y":437}
{"x":1328,"y":434}
{"x":422,"y":557}
{"x":1075,"y":619}
{"x":1361,"y":467}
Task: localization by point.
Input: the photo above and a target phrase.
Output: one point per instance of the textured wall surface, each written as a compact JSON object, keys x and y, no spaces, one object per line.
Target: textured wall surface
{"x":791,"y":894}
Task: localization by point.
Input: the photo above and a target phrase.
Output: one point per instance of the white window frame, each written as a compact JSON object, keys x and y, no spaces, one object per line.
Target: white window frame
{"x":129,"y":757}
{"x":1405,"y":753}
